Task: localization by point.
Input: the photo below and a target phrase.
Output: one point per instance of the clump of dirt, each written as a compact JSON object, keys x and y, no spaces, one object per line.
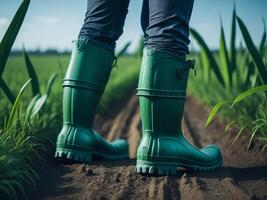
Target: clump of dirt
{"x":243,"y":176}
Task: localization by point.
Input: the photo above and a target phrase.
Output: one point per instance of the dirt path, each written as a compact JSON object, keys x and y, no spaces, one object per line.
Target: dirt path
{"x":243,"y":176}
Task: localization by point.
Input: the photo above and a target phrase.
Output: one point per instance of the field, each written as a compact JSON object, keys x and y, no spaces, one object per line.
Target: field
{"x":16,"y":75}
{"x":242,"y":177}
{"x":226,"y":105}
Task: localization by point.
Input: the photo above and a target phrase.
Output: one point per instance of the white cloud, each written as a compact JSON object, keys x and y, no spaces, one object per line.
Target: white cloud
{"x":48,"y":20}
{"x":3,"y":21}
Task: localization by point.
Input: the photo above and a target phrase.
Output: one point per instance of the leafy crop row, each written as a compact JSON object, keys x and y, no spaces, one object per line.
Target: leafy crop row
{"x":230,"y":76}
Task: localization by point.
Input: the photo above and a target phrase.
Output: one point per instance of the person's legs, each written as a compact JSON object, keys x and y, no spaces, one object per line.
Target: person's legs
{"x":166,"y":25}
{"x":162,"y":92}
{"x":104,"y":21}
{"x":85,"y":81}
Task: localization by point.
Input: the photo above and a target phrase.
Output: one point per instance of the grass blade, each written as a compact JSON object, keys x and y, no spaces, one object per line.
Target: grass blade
{"x":251,"y":75}
{"x":263,"y":148}
{"x":224,"y":58}
{"x":239,"y":133}
{"x":232,"y":42}
{"x":123,"y":50}
{"x":253,"y":134}
{"x":215,"y":110}
{"x":32,"y":74}
{"x":263,"y":39}
{"x":229,"y":126}
{"x":30,"y":106}
{"x":7,"y":91}
{"x":11,"y":34}
{"x":50,"y":83}
{"x":205,"y":64}
{"x":263,"y":139}
{"x":212,"y":62}
{"x":16,"y":105}
{"x":38,"y":105}
{"x":253,"y":51}
{"x":38,"y":101}
{"x":249,"y":92}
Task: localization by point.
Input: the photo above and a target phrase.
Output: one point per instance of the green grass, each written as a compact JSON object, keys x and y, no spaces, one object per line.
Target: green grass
{"x":226,"y":74}
{"x":15,"y":74}
{"x":244,"y":114}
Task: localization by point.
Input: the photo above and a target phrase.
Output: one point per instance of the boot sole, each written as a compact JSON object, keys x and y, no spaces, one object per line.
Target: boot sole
{"x":74,"y":156}
{"x":163,"y":168}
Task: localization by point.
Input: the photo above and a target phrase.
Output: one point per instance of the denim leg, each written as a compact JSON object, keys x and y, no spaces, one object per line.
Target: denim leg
{"x":104,"y":21}
{"x":165,"y":24}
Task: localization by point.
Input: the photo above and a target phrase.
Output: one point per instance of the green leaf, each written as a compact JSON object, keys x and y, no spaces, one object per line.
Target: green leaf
{"x":123,"y":50}
{"x":249,"y":92}
{"x":38,"y":105}
{"x":32,"y":74}
{"x":31,"y":105}
{"x":239,"y":133}
{"x":50,"y":83}
{"x":215,"y":110}
{"x":16,"y":105}
{"x":254,"y":133}
{"x":232,"y":42}
{"x":212,"y":62}
{"x":250,"y":76}
{"x":38,"y":101}
{"x":11,"y":34}
{"x":229,"y":126}
{"x":205,"y":64}
{"x":263,"y":148}
{"x":253,"y":51}
{"x":263,"y":39}
{"x":224,"y":58}
{"x":263,"y":139}
{"x":7,"y":91}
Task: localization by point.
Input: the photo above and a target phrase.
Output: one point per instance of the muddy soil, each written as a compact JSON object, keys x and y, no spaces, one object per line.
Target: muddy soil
{"x":243,"y":175}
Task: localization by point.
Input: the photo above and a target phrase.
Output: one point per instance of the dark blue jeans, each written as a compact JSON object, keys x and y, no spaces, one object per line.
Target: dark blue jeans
{"x":165,"y":23}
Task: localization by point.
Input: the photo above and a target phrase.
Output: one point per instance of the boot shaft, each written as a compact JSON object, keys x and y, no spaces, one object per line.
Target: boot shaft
{"x":84,"y":82}
{"x":79,"y":106}
{"x":90,"y":65}
{"x":162,"y":92}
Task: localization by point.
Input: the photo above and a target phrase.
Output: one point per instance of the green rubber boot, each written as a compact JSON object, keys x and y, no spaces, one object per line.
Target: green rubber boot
{"x":84,"y":83}
{"x":162,"y":92}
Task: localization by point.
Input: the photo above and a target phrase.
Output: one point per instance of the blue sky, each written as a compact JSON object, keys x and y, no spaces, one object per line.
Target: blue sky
{"x":55,"y":23}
